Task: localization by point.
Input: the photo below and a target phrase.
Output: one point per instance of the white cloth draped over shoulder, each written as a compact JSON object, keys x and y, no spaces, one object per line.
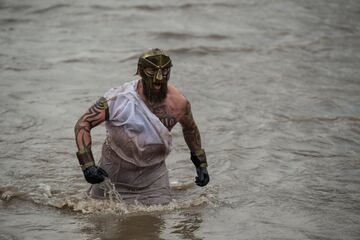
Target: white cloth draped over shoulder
{"x":134,"y":132}
{"x":135,"y":149}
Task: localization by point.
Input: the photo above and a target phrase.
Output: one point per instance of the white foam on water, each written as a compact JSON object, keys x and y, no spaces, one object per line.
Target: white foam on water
{"x":7,"y":195}
{"x":95,"y":206}
{"x":79,"y":201}
{"x":45,"y":190}
{"x":115,"y":205}
{"x":10,"y":192}
{"x":181,"y":185}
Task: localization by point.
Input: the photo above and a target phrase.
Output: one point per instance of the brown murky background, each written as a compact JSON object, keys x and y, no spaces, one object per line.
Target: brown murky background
{"x":274,"y":87}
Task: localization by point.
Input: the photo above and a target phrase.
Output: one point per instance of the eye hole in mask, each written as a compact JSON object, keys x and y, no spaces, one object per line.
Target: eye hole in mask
{"x":152,"y":71}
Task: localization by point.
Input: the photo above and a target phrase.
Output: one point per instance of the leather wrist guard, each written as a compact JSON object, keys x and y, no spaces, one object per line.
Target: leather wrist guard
{"x":85,"y":158}
{"x":199,"y":158}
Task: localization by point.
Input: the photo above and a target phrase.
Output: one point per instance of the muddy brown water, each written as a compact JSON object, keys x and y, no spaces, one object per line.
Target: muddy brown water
{"x":275,"y":91}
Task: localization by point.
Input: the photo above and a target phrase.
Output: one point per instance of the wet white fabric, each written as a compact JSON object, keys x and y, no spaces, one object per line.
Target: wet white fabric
{"x":135,"y":149}
{"x":134,"y":132}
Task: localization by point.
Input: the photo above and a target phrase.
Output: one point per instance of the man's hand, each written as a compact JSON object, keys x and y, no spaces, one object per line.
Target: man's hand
{"x":199,"y":160}
{"x":203,"y":176}
{"x":94,"y":174}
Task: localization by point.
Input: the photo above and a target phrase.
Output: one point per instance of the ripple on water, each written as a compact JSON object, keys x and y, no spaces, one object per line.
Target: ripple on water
{"x":51,"y":8}
{"x":184,"y":36}
{"x":198,"y":50}
{"x":12,"y":122}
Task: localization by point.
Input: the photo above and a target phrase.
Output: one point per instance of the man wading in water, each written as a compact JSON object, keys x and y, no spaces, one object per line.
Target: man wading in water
{"x":139,"y":116}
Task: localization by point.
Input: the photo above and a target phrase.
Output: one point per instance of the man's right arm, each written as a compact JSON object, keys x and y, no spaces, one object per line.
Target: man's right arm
{"x":94,"y":116}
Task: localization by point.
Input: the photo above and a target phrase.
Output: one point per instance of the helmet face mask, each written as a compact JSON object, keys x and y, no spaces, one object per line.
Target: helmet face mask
{"x":154,"y":68}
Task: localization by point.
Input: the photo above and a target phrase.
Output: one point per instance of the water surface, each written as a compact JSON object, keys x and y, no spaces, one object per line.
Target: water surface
{"x":274,"y":89}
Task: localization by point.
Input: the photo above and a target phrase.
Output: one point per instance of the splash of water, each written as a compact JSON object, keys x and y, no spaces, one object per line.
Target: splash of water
{"x":115,"y":205}
{"x":115,"y":200}
{"x":112,"y":203}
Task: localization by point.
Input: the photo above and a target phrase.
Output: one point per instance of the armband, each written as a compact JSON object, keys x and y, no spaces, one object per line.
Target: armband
{"x":199,"y":158}
{"x":85,"y":158}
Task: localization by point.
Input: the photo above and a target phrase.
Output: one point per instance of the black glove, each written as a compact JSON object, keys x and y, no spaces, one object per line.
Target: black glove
{"x":203,"y":176}
{"x":92,"y":173}
{"x":199,"y":160}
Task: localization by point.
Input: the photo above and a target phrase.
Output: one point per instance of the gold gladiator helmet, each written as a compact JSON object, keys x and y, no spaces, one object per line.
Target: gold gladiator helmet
{"x":154,"y":68}
{"x":155,"y":59}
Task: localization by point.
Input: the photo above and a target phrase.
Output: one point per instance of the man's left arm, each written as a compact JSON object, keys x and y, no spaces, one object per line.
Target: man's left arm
{"x":193,"y":140}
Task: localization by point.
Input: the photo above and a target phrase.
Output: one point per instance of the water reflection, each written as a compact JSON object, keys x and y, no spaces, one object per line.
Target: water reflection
{"x":184,"y":225}
{"x":188,"y":225}
{"x":130,"y":227}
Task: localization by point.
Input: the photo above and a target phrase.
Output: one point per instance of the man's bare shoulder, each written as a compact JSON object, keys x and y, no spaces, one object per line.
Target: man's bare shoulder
{"x":176,"y":97}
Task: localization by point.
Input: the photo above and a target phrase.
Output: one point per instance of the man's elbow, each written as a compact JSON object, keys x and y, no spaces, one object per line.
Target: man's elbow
{"x":81,"y":124}
{"x":77,"y":126}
